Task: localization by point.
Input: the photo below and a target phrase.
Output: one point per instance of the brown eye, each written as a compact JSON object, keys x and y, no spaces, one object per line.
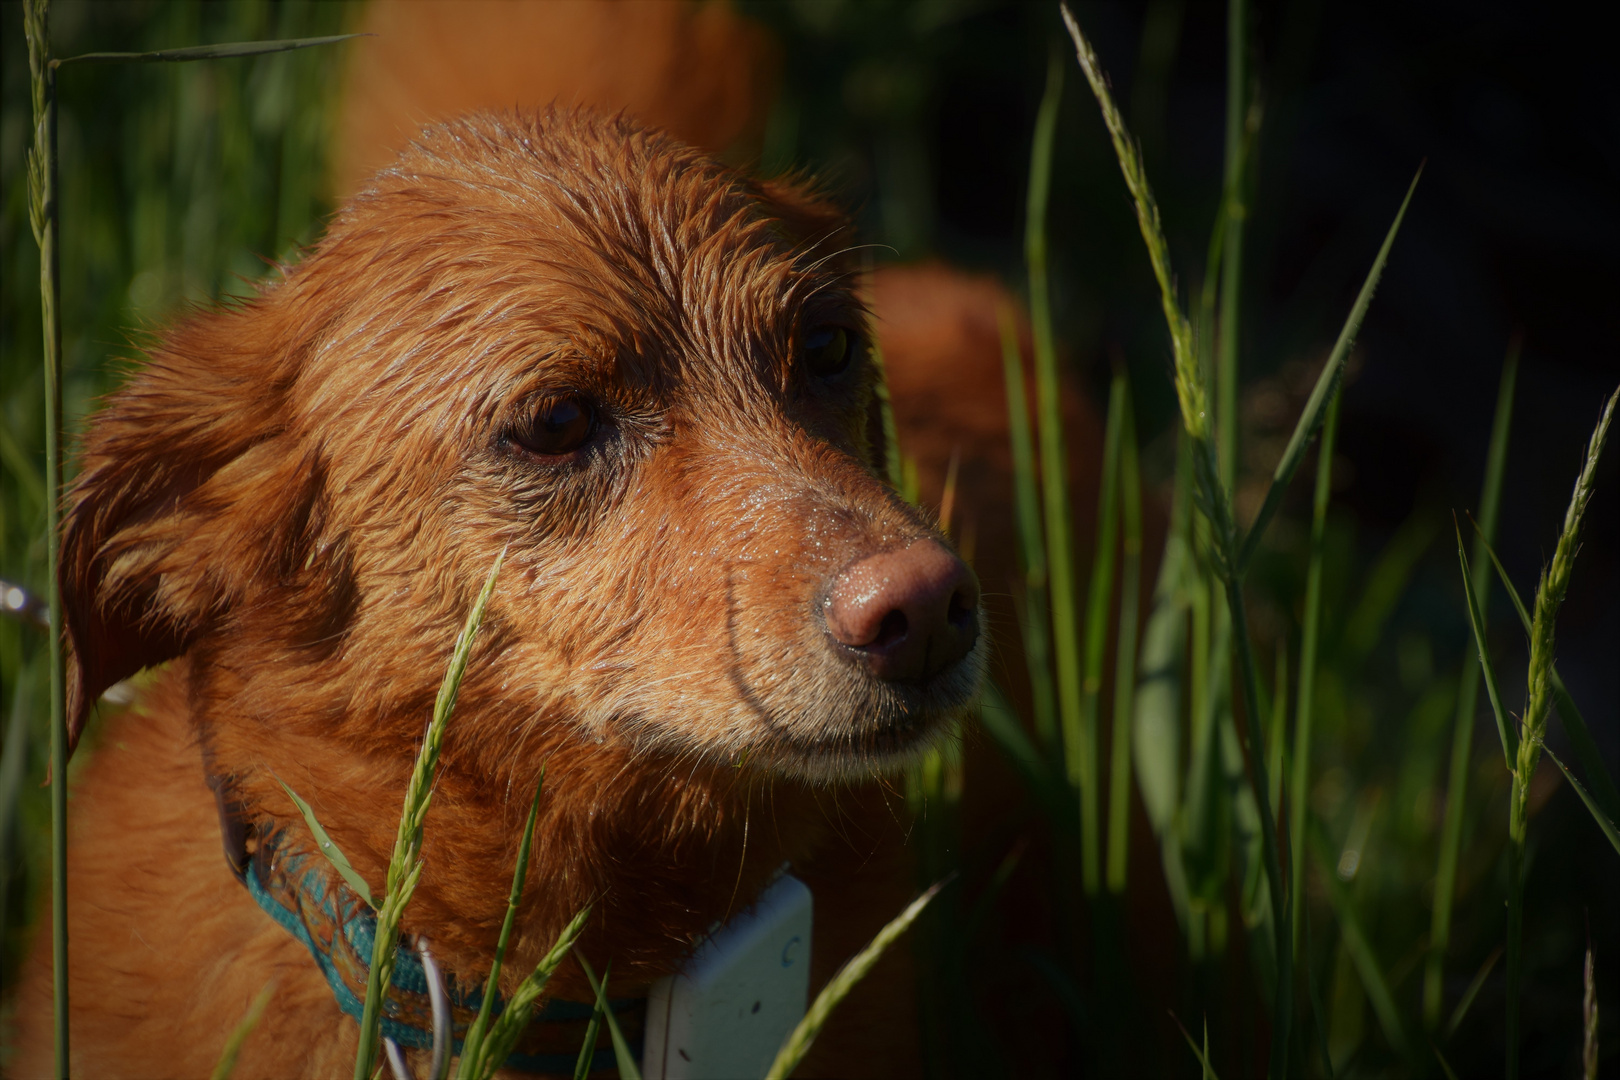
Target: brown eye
{"x":827,"y":351}
{"x":557,"y":428}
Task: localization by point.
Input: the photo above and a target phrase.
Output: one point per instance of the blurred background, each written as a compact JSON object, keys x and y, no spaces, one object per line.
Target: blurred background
{"x":185,"y":183}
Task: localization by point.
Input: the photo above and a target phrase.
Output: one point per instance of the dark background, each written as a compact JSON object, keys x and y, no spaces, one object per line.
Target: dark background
{"x":920,"y":116}
{"x":1514,"y":230}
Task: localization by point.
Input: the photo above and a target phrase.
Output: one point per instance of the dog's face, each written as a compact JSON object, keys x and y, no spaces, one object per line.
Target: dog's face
{"x":642,"y":377}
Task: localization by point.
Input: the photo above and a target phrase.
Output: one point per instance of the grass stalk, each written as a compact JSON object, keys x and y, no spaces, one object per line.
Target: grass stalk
{"x":43,"y":216}
{"x":1282,"y":1008}
{"x":1310,"y":644}
{"x":1130,"y":597}
{"x":1099,"y":600}
{"x":508,"y":1027}
{"x":244,"y":1027}
{"x":1603,"y":790}
{"x":1462,"y":737}
{"x":1549,"y":598}
{"x":405,"y":866}
{"x":1466,"y":1002}
{"x":1231,"y":227}
{"x":1156,"y":736}
{"x":1360,"y":950}
{"x":1216,"y":505}
{"x":593,"y":1030}
{"x":1311,"y":417}
{"x":1053,"y":459}
{"x":1589,"y":1014}
{"x":800,"y":1039}
{"x":626,"y":1061}
{"x":1277,"y":734}
{"x":1031,"y":542}
{"x":1610,"y":830}
{"x":473,"y":1049}
{"x":228,"y":51}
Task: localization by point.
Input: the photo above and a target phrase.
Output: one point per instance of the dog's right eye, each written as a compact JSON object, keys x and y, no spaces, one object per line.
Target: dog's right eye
{"x":556,"y":428}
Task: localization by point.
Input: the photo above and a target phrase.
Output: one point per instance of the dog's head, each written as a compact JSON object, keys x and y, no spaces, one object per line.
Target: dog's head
{"x":644,"y":377}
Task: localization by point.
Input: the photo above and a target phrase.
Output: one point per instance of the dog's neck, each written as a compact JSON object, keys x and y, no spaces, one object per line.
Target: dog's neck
{"x":661,"y":851}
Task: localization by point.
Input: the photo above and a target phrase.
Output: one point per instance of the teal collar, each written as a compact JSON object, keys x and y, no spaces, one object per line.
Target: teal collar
{"x":338,"y":929}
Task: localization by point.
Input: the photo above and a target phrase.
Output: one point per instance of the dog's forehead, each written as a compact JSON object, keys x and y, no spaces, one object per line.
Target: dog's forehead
{"x":566,"y":229}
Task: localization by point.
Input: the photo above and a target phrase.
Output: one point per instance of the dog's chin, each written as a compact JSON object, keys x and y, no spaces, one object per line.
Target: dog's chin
{"x":877,"y":730}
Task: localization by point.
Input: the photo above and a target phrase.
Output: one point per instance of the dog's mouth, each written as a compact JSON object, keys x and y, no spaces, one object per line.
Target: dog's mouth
{"x":880,"y":728}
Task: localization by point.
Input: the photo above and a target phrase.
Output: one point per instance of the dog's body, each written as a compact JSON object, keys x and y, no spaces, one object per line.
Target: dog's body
{"x":299,"y":497}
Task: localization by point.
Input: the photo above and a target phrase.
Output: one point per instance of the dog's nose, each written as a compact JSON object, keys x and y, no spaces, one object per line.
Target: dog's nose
{"x":909,"y":613}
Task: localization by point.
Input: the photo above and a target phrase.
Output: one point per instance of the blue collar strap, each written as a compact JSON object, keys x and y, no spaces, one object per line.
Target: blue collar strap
{"x":338,"y":929}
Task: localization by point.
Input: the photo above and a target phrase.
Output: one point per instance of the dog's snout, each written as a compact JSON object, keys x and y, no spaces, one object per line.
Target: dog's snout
{"x":908,"y":614}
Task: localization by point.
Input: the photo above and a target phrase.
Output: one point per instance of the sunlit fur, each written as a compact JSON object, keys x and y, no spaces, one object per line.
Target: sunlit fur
{"x":298,"y":496}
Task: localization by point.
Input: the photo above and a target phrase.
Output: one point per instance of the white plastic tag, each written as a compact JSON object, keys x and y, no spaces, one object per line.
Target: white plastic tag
{"x":728,"y":1011}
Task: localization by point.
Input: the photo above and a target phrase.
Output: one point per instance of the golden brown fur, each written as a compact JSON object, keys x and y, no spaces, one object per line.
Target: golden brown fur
{"x":302,"y":493}
{"x":300,"y":496}
{"x":697,"y":70}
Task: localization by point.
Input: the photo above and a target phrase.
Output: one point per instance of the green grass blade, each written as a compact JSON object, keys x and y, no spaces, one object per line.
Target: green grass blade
{"x":1589,"y":1015}
{"x":891,"y":436}
{"x":1099,"y":600}
{"x":1053,"y":463}
{"x":1384,"y":586}
{"x":1278,"y":735}
{"x":1130,"y":585}
{"x":329,"y":848}
{"x":1201,"y":1054}
{"x":593,"y":1030}
{"x":405,"y":864}
{"x":1360,"y":949}
{"x":1462,"y":736}
{"x":1031,"y":539}
{"x":999,"y":720}
{"x":1586,"y":749}
{"x":1326,"y":383}
{"x":43,"y":214}
{"x":206,"y":52}
{"x":1604,"y":823}
{"x":1313,"y":992}
{"x":1445,"y":1066}
{"x":1310,"y":643}
{"x":1475,"y":620}
{"x":799,"y":1040}
{"x":1156,"y":727}
{"x":628,"y":1070}
{"x":1283,"y":1003}
{"x":1580,"y":736}
{"x":1201,"y":809}
{"x":22,"y":469}
{"x":244,"y":1027}
{"x":475,"y":1063}
{"x":515,"y":1017}
{"x":1467,"y":1000}
{"x":1232,"y":209}
{"x":1190,"y":393}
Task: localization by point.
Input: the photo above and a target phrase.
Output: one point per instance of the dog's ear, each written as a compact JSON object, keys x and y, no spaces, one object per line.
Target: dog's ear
{"x":192,"y":494}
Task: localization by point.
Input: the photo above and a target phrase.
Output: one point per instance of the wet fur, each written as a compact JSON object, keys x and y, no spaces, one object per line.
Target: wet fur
{"x":299,"y":496}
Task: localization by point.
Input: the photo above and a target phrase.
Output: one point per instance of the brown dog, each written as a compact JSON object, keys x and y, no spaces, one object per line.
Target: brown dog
{"x":642,"y":376}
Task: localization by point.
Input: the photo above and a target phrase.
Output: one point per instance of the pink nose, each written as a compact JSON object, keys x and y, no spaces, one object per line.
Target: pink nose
{"x":909,"y":614}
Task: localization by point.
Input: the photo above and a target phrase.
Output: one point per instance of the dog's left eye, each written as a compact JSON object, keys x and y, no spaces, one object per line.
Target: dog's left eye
{"x":557,"y":428}
{"x":828,"y":350}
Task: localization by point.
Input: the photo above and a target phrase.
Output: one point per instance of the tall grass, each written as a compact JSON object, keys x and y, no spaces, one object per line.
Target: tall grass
{"x":1343,"y":933}
{"x":1523,"y":747}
